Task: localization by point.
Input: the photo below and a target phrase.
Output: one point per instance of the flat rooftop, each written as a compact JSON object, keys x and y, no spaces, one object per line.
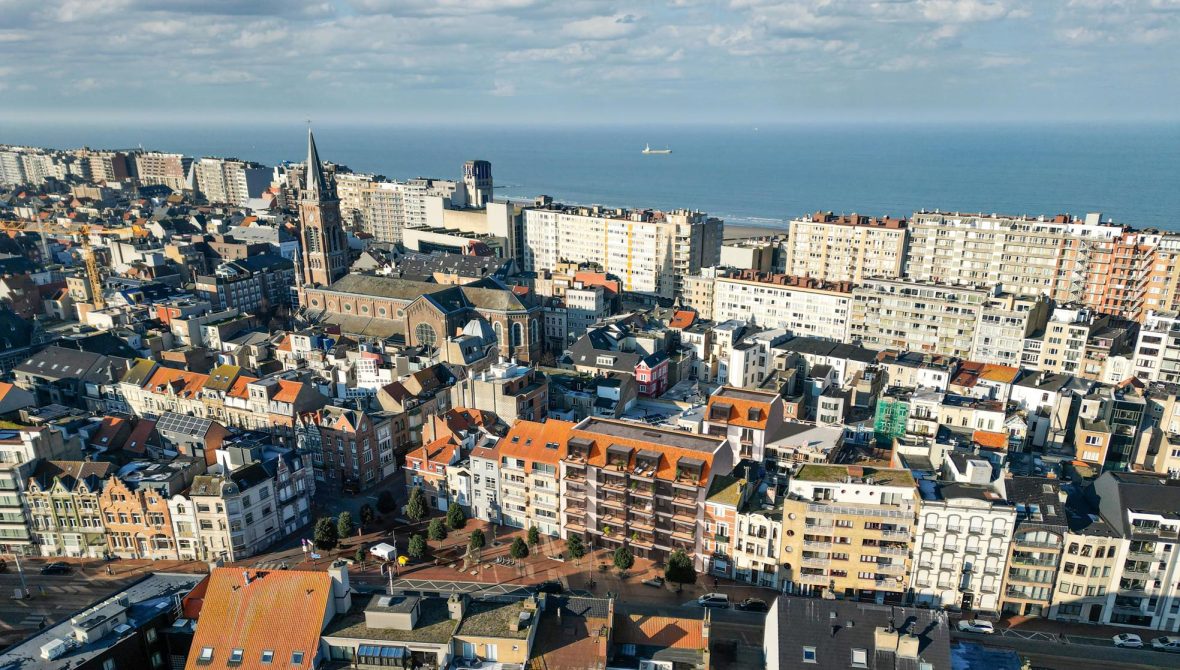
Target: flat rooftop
{"x":434,"y":626}
{"x":745,"y":394}
{"x":645,"y":433}
{"x":819,"y":472}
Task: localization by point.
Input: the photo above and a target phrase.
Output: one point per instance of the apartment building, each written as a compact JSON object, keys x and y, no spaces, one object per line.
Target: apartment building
{"x":1162,"y":292}
{"x":385,"y":208}
{"x":743,"y":526}
{"x":138,"y":521}
{"x":63,"y":502}
{"x":510,"y":391}
{"x":1004,"y":324}
{"x":351,"y":450}
{"x":745,"y":418}
{"x":857,"y":531}
{"x":106,"y":166}
{"x":802,"y":305}
{"x":1037,"y":545}
{"x":171,"y":170}
{"x":649,"y":250}
{"x":1027,"y":256}
{"x":846,"y":248}
{"x":917,"y":316}
{"x":624,"y":483}
{"x":229,"y":180}
{"x":1157,"y":351}
{"x":1087,"y":567}
{"x":963,"y":539}
{"x":260,"y":283}
{"x":1144,"y":588}
{"x":698,"y":291}
{"x":530,"y":456}
{"x":23,"y":447}
{"x":235,"y":515}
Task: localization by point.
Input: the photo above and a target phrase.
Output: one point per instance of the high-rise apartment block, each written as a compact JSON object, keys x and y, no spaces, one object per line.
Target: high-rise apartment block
{"x":909,"y":315}
{"x":802,"y":305}
{"x":649,"y":250}
{"x":171,"y":170}
{"x":851,"y":247}
{"x":230,"y":181}
{"x":385,"y":208}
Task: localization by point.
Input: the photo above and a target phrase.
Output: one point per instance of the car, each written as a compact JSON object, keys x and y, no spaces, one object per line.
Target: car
{"x":1166,"y":643}
{"x":753,"y":605}
{"x":57,"y":568}
{"x":1128,"y":640}
{"x":718,"y":600}
{"x":654,"y":581}
{"x":976,"y":626}
{"x":552,"y":586}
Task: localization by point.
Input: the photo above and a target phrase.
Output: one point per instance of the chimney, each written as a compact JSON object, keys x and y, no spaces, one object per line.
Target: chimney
{"x":245,"y":577}
{"x":457,"y":605}
{"x":856,"y":471}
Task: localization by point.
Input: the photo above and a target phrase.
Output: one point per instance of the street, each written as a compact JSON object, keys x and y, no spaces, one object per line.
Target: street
{"x":1089,"y":652}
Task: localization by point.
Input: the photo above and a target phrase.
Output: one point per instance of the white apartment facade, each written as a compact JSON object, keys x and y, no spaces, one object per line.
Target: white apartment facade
{"x":385,"y":208}
{"x":800,"y":305}
{"x":962,"y":542}
{"x":1157,"y":353}
{"x":648,"y":250}
{"x":917,"y":316}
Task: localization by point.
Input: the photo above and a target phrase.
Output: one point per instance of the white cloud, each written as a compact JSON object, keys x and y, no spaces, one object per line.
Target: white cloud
{"x":503,"y":89}
{"x":602,"y":27}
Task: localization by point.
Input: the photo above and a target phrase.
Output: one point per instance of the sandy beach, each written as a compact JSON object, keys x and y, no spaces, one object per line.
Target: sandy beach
{"x":738,"y":232}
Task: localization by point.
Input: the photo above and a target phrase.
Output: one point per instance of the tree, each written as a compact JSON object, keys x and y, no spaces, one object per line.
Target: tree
{"x":680,"y":568}
{"x":416,"y":508}
{"x":417,"y":548}
{"x":476,"y":541}
{"x":325,"y":536}
{"x":518,"y":549}
{"x":456,"y":519}
{"x":386,"y":503}
{"x":623,"y":559}
{"x":534,"y":536}
{"x":368,"y":514}
{"x":575,"y":547}
{"x":344,"y":527}
{"x":360,"y":556}
{"x":437,"y":530}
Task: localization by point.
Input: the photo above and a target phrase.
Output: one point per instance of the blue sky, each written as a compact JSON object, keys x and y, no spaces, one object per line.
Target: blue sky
{"x":589,"y":61}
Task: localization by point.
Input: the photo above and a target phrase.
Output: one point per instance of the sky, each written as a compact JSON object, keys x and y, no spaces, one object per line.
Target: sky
{"x":589,"y":61}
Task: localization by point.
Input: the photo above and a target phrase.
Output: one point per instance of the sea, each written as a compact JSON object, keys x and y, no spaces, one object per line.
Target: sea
{"x":749,"y":176}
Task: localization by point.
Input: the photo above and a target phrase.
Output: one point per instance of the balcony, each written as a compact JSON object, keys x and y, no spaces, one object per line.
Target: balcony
{"x":815,"y":579}
{"x":893,"y":551}
{"x":899,"y":534}
{"x":891,"y":568}
{"x":718,"y":537}
{"x":644,"y":492}
{"x":618,"y":503}
{"x":816,"y":562}
{"x":1141,"y":556}
{"x":891,"y":584}
{"x":684,"y":535}
{"x":817,"y":544}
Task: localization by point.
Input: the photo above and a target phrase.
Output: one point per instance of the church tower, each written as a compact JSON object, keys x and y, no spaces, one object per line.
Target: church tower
{"x":324,"y":244}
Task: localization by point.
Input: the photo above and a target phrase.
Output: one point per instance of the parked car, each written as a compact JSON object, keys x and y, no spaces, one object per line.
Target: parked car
{"x":57,"y":568}
{"x":654,"y":581}
{"x":552,"y":586}
{"x":718,"y":600}
{"x":976,"y":626}
{"x":1166,"y":643}
{"x":1128,"y":640}
{"x":753,"y":605}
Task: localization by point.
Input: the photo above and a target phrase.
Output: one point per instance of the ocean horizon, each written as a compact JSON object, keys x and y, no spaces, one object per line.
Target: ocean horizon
{"x":747,"y":175}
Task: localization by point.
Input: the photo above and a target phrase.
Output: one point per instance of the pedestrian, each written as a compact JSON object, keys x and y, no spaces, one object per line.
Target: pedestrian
{"x":716,"y":583}
{"x":110,"y":571}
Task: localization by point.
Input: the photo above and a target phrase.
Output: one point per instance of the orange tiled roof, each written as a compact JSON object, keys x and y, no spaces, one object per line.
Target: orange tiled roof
{"x":183,"y":383}
{"x":285,"y":345}
{"x":288,"y":391}
{"x":669,"y":455}
{"x":279,"y":610}
{"x":528,"y":440}
{"x":740,"y":411}
{"x":239,"y":390}
{"x":138,"y":439}
{"x":1000,"y":373}
{"x":439,"y":451}
{"x":682,"y":319}
{"x":990,"y":440}
{"x":659,"y":631}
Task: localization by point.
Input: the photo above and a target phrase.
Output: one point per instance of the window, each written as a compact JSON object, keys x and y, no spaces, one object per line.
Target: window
{"x":860,"y":658}
{"x":235,"y":656}
{"x":206,"y":654}
{"x":267,"y":656}
{"x":108,"y":664}
{"x":809,"y":655}
{"x":297,"y":658}
{"x":150,"y":635}
{"x":425,"y":334}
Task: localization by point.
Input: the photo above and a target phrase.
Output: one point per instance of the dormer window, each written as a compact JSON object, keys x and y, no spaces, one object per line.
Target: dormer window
{"x":268,"y":656}
{"x":236,"y":655}
{"x":297,"y":658}
{"x":206,"y":655}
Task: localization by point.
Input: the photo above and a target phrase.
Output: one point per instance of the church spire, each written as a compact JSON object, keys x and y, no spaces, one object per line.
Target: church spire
{"x":316,"y":185}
